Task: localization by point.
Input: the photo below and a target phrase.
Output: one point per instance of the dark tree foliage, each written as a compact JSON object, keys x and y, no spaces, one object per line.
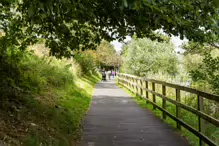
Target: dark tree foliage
{"x":207,"y":69}
{"x":72,"y":24}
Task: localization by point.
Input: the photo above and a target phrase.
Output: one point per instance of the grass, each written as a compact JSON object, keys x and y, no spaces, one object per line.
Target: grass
{"x":188,"y":117}
{"x":60,"y":120}
{"x":46,"y":102}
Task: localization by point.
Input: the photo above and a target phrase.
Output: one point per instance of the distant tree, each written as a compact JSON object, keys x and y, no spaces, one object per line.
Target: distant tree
{"x":107,"y":55}
{"x":143,"y":56}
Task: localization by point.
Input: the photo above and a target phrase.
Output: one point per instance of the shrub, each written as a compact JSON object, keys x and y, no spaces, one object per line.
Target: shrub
{"x":86,"y":62}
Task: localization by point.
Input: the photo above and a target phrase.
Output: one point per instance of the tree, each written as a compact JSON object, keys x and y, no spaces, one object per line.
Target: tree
{"x":202,"y":63}
{"x":143,"y":56}
{"x":197,"y":48}
{"x":107,"y":55}
{"x":71,"y":24}
{"x":86,"y":62}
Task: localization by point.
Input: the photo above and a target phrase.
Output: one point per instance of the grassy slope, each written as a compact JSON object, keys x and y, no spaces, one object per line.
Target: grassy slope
{"x":50,"y":105}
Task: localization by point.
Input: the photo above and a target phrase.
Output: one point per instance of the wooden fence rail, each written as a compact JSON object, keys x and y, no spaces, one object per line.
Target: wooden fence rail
{"x":135,"y":84}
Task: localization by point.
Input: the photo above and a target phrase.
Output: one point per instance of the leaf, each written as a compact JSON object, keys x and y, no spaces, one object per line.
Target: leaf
{"x":31,"y":11}
{"x":156,"y":21}
{"x":125,"y":3}
{"x":216,"y":3}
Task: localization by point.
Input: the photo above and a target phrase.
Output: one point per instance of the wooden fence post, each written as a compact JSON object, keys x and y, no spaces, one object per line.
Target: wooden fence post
{"x":131,"y":80}
{"x":139,"y":84}
{"x":141,"y":90}
{"x":146,"y":86}
{"x":129,"y":83}
{"x":200,"y":120}
{"x":164,"y":100}
{"x":133,"y":87}
{"x":178,"y":108}
{"x":136,"y":87}
{"x":154,"y":97}
{"x":118,"y":78}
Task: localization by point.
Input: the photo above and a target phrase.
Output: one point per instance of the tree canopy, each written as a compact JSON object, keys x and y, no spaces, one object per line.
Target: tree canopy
{"x":72,"y":24}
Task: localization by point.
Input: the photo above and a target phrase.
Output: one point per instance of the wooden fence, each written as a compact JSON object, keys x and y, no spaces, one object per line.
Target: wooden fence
{"x":137,"y":85}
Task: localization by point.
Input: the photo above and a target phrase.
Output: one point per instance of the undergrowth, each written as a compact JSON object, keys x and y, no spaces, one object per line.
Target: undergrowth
{"x":42,"y":100}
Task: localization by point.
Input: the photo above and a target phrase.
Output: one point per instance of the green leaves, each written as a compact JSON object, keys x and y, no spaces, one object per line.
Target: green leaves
{"x":202,"y":63}
{"x":216,"y":3}
{"x":125,"y":3}
{"x":31,"y":11}
{"x":107,"y":55}
{"x":86,"y":62}
{"x":83,"y":24}
{"x":8,"y":2}
{"x":143,"y":56}
{"x":208,"y":71}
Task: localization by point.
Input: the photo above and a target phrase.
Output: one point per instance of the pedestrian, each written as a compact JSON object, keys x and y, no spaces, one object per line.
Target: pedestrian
{"x":103,"y":75}
{"x":109,"y":73}
{"x":113,"y":73}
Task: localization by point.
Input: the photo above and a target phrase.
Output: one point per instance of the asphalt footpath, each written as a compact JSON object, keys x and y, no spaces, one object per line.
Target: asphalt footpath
{"x":114,"y":119}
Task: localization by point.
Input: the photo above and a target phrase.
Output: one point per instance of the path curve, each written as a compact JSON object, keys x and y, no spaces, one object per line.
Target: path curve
{"x":114,"y":119}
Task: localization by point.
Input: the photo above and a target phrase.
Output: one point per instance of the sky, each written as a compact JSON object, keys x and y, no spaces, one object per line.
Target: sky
{"x":175,"y":40}
{"x":118,"y":45}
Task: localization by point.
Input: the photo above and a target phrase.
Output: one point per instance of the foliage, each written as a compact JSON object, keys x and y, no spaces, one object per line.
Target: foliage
{"x":104,"y":55}
{"x":70,"y":24}
{"x":23,"y":71}
{"x":86,"y":62}
{"x":107,"y":55}
{"x":42,"y":98}
{"x":208,"y":71}
{"x":201,"y":61}
{"x":142,"y":56}
{"x":191,"y":62}
{"x":197,"y":48}
{"x":156,"y":35}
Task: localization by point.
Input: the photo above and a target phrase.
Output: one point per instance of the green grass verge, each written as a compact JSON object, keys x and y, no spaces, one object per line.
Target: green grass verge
{"x":59,"y":123}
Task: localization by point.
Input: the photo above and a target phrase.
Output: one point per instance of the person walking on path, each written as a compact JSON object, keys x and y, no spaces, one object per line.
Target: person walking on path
{"x":109,"y":74}
{"x":113,"y":73}
{"x":103,"y":75}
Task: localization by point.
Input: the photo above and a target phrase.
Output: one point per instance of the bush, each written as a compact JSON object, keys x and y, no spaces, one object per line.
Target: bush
{"x":86,"y":62}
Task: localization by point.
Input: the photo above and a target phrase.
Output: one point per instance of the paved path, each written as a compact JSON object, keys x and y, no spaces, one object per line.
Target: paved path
{"x":114,"y":119}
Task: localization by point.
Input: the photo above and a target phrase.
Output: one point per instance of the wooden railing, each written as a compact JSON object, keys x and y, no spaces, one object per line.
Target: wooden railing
{"x":137,"y":85}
